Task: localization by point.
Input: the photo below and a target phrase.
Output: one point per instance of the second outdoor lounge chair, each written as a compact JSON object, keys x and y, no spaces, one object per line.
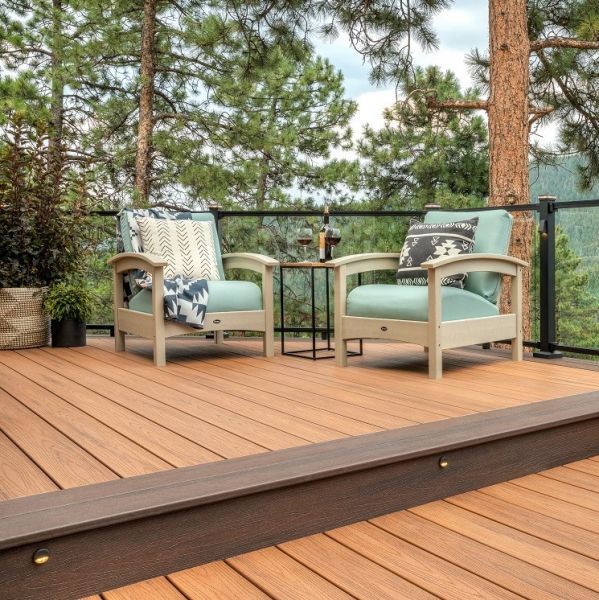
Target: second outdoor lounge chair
{"x":434,"y":316}
{"x":232,"y":305}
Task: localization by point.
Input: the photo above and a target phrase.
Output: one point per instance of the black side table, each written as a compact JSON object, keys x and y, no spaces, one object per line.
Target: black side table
{"x":311,"y":353}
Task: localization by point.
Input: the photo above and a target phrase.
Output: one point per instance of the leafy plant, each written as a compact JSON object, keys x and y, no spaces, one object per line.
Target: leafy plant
{"x":40,"y":209}
{"x":69,"y":300}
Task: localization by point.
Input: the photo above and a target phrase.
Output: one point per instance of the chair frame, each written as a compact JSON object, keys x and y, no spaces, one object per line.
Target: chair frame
{"x":435,"y":335}
{"x":154,"y":326}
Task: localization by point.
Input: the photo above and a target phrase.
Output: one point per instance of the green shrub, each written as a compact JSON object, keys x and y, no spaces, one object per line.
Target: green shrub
{"x":40,"y":209}
{"x":66,"y":300}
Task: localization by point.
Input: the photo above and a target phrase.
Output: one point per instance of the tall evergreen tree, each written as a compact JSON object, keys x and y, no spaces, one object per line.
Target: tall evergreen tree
{"x":281,"y":125}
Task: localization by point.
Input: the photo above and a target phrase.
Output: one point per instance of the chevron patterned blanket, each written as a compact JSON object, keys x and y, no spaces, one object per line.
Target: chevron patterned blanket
{"x":185,"y":298}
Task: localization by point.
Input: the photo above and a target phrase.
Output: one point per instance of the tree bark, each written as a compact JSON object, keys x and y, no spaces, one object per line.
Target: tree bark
{"x":55,"y":140}
{"x":508,"y":112}
{"x":143,"y":158}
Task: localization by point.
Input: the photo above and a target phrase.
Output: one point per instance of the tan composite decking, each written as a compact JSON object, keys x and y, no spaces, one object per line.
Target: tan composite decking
{"x":79,"y":416}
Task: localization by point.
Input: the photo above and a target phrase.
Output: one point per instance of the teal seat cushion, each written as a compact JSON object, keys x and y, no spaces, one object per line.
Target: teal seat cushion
{"x":223,"y":296}
{"x":410,"y":303}
{"x":492,"y":236}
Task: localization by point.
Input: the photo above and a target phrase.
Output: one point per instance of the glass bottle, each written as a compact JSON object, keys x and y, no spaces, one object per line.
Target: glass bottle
{"x":324,"y":250}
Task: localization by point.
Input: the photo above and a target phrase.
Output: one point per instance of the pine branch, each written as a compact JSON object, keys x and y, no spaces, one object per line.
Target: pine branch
{"x":537,"y":113}
{"x":563,"y":42}
{"x":568,"y":94}
{"x":433,"y":103}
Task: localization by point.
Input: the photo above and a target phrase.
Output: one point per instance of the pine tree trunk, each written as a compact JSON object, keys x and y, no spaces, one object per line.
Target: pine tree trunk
{"x":262,"y":183}
{"x":55,"y":140}
{"x":508,"y":128}
{"x":143,"y":158}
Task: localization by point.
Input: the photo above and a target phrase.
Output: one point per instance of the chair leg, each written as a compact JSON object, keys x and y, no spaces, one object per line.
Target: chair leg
{"x":219,"y":337}
{"x":517,"y":342}
{"x":341,"y":353}
{"x":159,"y":352}
{"x":118,"y":299}
{"x":119,"y":340}
{"x":517,"y":353}
{"x":268,"y":341}
{"x":268,"y":344}
{"x":435,"y":362}
{"x":435,"y":355}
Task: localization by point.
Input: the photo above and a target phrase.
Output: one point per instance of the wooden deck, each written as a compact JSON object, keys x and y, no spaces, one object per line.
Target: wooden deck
{"x":70,"y":417}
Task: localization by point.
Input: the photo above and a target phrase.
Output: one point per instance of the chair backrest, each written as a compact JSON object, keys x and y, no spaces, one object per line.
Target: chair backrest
{"x":129,"y":235}
{"x":492,"y":236}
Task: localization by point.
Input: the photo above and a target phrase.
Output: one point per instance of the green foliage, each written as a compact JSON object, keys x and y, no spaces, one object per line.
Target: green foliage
{"x":384,"y":32}
{"x":69,"y":300}
{"x":577,"y":308}
{"x":283,"y":124}
{"x":39,"y":216}
{"x":421,"y":156}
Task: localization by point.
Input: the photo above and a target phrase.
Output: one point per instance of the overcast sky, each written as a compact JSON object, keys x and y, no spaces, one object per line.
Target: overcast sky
{"x":460,"y":29}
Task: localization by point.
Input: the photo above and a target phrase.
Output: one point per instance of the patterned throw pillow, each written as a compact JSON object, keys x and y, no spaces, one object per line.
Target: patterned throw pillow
{"x":187,"y":245}
{"x":427,"y":241}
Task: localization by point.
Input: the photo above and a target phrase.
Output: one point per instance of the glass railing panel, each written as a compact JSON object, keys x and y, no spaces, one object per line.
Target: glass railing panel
{"x":577,"y":276}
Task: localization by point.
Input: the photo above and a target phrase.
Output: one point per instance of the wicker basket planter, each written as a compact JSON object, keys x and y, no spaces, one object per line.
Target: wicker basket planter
{"x":23,"y":322}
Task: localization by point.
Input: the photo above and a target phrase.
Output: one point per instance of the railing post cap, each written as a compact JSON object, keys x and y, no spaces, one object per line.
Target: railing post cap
{"x":547,"y":198}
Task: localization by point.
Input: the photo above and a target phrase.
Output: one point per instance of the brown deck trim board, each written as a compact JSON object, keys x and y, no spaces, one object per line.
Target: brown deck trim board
{"x":117,"y":532}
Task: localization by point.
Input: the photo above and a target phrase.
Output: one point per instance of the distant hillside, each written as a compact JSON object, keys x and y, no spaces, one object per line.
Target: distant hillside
{"x":560,"y":181}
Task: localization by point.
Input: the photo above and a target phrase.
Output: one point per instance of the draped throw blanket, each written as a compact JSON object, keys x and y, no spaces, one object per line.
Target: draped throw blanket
{"x":185,"y":300}
{"x":185,"y":297}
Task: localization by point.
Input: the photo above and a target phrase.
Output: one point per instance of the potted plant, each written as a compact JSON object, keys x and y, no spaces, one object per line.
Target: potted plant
{"x":40,"y":229}
{"x":69,"y":305}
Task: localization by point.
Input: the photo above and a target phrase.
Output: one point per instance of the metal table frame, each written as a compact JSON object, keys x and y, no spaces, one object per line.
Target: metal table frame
{"x":311,"y":353}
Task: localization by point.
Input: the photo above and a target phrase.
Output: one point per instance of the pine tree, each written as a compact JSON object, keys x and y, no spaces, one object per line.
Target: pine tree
{"x":282,"y":124}
{"x":421,"y":157}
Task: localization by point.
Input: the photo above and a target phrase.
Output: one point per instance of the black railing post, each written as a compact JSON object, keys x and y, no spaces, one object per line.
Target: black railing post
{"x":548,"y":330}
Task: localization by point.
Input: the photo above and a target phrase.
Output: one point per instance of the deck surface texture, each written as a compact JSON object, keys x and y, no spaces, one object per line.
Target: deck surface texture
{"x":70,"y":417}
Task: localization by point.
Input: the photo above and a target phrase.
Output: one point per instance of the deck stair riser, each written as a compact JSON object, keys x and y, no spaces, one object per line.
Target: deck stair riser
{"x":107,"y":535}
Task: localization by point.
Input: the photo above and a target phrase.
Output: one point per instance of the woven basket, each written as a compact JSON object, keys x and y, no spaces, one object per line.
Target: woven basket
{"x":23,"y":322}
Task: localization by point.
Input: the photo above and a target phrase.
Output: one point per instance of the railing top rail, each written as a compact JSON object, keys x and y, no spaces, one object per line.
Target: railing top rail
{"x":559,"y":205}
{"x":342,"y":212}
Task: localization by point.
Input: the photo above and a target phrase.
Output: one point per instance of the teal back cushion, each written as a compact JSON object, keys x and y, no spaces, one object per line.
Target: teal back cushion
{"x":492,"y":237}
{"x":196,"y":216}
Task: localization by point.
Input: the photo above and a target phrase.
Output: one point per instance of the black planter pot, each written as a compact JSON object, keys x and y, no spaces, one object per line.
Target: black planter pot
{"x":68,"y":333}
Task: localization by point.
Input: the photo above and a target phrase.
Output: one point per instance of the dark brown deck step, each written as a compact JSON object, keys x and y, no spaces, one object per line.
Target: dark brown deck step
{"x":110,"y":534}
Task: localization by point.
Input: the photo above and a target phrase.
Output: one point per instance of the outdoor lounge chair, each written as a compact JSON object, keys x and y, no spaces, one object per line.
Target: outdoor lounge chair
{"x":434,"y":316}
{"x":232,"y":305}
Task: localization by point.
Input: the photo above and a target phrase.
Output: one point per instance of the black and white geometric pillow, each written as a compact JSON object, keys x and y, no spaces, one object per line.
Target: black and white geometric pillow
{"x":427,"y":241}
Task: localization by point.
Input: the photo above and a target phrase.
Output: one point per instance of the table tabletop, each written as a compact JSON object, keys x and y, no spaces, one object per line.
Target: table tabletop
{"x":306,"y":265}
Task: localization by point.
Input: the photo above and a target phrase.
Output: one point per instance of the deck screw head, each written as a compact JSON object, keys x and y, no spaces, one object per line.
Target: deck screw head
{"x":41,"y":556}
{"x":443,"y":462}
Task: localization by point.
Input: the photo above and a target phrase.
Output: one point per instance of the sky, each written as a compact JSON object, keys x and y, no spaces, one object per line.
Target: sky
{"x":459,"y":29}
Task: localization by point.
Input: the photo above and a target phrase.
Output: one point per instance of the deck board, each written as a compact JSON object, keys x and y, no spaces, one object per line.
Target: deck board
{"x":21,"y":476}
{"x":70,"y":417}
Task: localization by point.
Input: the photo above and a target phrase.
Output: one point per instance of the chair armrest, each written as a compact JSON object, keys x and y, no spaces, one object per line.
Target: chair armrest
{"x":126,"y":261}
{"x":360,"y":263}
{"x":469,"y":263}
{"x":248,"y":260}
